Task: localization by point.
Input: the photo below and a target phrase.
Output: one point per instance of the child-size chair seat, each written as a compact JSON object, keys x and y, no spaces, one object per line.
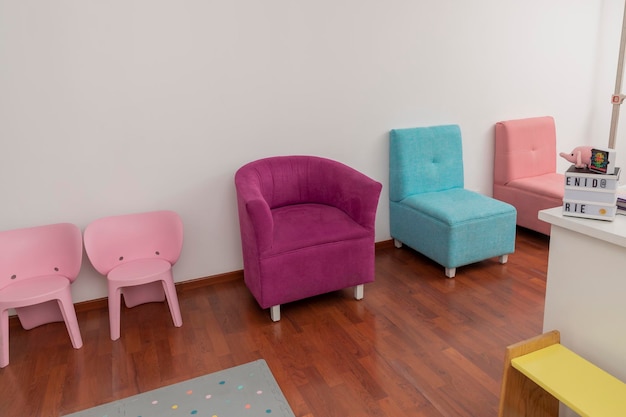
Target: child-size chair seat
{"x":548,"y":185}
{"x":140,"y":271}
{"x":36,"y":301}
{"x":33,"y":290}
{"x":444,"y":206}
{"x":141,"y":281}
{"x":323,"y":224}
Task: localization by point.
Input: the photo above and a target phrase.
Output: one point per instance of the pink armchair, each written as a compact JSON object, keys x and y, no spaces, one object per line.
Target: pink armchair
{"x":307,"y":228}
{"x":525,"y":169}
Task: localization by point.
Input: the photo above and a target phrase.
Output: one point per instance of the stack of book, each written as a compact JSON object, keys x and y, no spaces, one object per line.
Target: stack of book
{"x":591,"y":194}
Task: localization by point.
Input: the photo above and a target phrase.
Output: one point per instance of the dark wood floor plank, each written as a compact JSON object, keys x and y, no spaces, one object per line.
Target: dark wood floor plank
{"x":419,"y":344}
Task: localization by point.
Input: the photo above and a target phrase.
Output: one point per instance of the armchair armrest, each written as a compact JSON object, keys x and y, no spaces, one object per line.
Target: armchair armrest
{"x":261,"y":222}
{"x":356,"y":194}
{"x":256,"y":222}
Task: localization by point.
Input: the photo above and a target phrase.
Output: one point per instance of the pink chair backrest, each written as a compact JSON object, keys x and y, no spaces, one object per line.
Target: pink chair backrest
{"x":524,"y":148}
{"x":112,"y":241}
{"x":55,"y":249}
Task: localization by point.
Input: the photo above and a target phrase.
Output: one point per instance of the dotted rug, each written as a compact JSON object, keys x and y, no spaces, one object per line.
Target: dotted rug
{"x":245,"y":390}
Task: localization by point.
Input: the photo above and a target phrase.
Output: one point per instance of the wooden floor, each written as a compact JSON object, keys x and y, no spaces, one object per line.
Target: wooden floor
{"x":418,"y":344}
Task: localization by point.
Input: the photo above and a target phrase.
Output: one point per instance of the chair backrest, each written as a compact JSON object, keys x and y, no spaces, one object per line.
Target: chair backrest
{"x":114,"y":240}
{"x":524,"y":148}
{"x":55,"y":249}
{"x":424,"y":159}
{"x":295,"y":179}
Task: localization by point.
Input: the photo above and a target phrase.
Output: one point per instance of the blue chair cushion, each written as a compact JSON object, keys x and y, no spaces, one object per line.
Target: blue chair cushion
{"x":454,"y":227}
{"x":444,"y":206}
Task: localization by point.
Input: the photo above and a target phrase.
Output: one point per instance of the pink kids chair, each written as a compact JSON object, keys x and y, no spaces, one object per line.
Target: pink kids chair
{"x":37,"y":266}
{"x":136,"y":253}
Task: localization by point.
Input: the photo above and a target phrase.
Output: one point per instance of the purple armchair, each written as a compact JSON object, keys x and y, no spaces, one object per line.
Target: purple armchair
{"x":307,"y":228}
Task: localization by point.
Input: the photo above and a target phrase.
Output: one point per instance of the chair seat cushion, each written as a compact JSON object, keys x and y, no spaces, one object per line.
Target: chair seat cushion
{"x":547,"y":185}
{"x":457,"y":206}
{"x":304,"y":225}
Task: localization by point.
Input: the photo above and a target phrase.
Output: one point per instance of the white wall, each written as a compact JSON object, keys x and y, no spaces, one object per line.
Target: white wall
{"x":109,"y":107}
{"x":610,"y":28}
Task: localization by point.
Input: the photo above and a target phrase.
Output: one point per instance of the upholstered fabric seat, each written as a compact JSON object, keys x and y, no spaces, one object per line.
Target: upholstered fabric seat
{"x":431,"y":211}
{"x":307,"y":228}
{"x":322,"y":224}
{"x":547,"y":185}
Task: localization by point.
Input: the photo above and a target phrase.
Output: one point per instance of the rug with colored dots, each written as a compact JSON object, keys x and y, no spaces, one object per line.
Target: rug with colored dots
{"x":245,"y":390}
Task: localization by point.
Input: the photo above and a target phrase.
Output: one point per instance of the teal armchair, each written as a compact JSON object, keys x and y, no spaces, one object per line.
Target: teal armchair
{"x":431,"y":211}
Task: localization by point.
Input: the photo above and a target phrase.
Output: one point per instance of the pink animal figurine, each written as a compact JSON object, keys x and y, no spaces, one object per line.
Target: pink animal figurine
{"x":580,"y":156}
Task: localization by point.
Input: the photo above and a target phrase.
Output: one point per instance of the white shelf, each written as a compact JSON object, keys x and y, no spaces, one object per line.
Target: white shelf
{"x":610,"y":231}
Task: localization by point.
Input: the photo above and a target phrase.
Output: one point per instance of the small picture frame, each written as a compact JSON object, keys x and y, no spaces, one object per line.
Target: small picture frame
{"x":602,"y":160}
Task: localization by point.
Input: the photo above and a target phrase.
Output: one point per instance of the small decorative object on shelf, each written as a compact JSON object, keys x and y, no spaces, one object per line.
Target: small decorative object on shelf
{"x":590,"y":194}
{"x":602,"y":160}
{"x":580,"y":156}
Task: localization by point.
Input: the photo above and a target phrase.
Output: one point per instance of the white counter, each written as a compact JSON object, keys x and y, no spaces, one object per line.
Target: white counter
{"x":586,"y":287}
{"x":609,"y":231}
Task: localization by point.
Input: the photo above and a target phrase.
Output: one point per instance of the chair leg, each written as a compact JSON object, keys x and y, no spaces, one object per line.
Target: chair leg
{"x":450,"y":272}
{"x":172,"y":301}
{"x":358,"y":292}
{"x":397,"y":243}
{"x":275,"y":312}
{"x":4,"y":338}
{"x":115,"y":295}
{"x":69,"y":317}
{"x":503,"y":259}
